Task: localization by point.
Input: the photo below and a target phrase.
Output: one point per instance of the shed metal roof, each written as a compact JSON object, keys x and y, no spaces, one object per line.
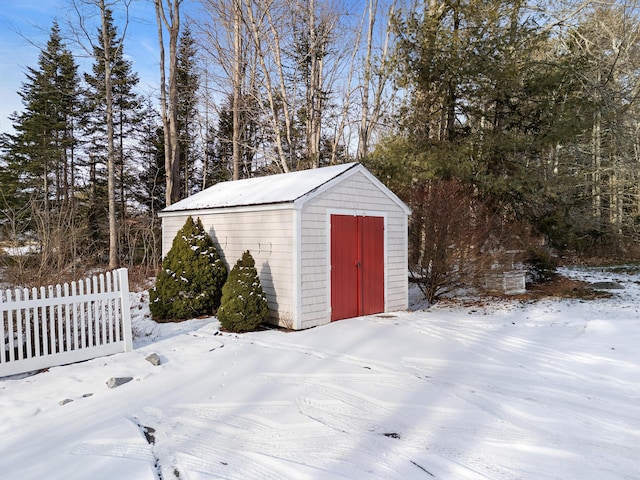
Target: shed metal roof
{"x":293,"y":187}
{"x":281,"y":188}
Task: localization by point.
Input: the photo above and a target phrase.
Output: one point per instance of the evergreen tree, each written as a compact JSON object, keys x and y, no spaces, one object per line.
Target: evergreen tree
{"x":38,"y":175}
{"x":190,"y":282}
{"x":150,"y":190}
{"x":539,"y":119}
{"x":151,"y":184}
{"x":40,"y":156}
{"x":488,"y":101}
{"x":127,"y":118}
{"x":218,"y":165}
{"x":603,"y":48}
{"x":188,"y":82}
{"x":244,"y":304}
{"x":219,"y":148}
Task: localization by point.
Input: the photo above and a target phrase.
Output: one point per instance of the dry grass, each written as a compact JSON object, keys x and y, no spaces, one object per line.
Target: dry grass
{"x":563,"y":287}
{"x":559,"y":287}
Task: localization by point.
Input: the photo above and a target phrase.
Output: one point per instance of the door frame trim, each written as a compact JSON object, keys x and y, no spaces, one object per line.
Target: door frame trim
{"x":355,"y":213}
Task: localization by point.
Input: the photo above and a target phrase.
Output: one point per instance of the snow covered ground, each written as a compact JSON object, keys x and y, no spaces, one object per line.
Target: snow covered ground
{"x":506,"y":390}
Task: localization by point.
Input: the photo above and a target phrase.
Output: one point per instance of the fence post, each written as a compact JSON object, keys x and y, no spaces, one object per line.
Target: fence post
{"x":123,"y":282}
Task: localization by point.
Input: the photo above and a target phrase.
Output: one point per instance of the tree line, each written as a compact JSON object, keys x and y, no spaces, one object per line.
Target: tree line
{"x":521,"y":113}
{"x":517,"y":133}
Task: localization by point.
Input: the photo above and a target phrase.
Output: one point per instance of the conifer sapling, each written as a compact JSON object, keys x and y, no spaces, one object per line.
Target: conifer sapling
{"x":190,"y":282}
{"x":244,"y":303}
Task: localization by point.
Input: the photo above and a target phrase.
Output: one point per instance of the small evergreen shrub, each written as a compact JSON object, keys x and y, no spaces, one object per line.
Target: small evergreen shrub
{"x":541,"y":265}
{"x":190,"y":282}
{"x":244,"y":304}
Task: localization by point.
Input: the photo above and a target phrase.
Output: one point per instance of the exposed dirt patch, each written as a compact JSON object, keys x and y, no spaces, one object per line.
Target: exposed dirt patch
{"x":558,"y":287}
{"x":563,"y":287}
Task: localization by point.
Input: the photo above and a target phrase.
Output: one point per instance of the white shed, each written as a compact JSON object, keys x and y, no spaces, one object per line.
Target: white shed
{"x":329,"y":243}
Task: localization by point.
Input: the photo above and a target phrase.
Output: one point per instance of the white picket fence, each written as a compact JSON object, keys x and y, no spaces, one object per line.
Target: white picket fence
{"x":62,"y":324}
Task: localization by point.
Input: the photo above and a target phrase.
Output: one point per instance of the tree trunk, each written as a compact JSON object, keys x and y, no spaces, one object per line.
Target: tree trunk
{"x":169,"y":96}
{"x":314,"y":87}
{"x":364,"y":130}
{"x":268,"y":83}
{"x":111,"y":184}
{"x":596,"y":194}
{"x":174,"y":28}
{"x":237,"y":88}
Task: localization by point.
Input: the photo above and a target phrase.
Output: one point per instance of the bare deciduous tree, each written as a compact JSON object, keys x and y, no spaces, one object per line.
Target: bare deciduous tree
{"x":111,"y":172}
{"x":106,"y":51}
{"x":606,"y":42}
{"x":224,"y":39}
{"x":237,"y":86}
{"x":168,"y":16}
{"x":274,"y":55}
{"x":374,"y":77}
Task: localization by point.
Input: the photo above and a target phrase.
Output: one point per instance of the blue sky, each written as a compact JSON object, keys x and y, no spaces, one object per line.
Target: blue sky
{"x":25,"y":26}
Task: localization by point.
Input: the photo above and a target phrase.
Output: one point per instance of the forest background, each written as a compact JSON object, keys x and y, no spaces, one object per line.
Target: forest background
{"x":509,"y":127}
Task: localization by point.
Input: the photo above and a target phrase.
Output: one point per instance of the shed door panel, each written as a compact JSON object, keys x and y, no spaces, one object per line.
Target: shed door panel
{"x":372,"y":260}
{"x":357,"y":266}
{"x":344,"y":271}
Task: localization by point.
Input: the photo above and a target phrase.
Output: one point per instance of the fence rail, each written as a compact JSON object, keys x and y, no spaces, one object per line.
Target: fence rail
{"x":61,"y":324}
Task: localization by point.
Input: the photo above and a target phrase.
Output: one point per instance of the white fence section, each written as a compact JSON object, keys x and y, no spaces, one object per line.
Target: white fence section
{"x":57,"y":325}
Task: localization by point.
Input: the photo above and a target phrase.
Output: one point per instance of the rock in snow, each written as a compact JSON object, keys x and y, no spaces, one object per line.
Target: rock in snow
{"x":114,"y":382}
{"x":153,"y":359}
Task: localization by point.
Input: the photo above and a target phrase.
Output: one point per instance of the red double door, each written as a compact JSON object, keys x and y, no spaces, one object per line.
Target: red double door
{"x":357,"y":266}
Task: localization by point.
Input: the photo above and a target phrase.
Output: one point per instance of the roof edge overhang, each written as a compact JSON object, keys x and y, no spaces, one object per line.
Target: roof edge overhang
{"x":297,"y":203}
{"x":262,"y":207}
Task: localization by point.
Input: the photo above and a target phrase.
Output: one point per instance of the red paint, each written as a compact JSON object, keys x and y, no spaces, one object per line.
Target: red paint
{"x":372,"y":272}
{"x":357,"y":266}
{"x":344,"y":272}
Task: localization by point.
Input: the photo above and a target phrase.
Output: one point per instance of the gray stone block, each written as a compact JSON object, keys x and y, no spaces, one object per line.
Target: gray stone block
{"x":114,"y":382}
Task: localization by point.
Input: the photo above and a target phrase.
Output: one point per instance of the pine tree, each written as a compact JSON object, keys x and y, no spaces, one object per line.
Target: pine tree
{"x":218,"y":165}
{"x":40,"y":155}
{"x":151,"y":186}
{"x":38,"y":175}
{"x":219,"y":148}
{"x":127,"y":118}
{"x":244,"y":304}
{"x":188,"y":82}
{"x":487,"y":102}
{"x":190,"y":282}
{"x":150,"y":189}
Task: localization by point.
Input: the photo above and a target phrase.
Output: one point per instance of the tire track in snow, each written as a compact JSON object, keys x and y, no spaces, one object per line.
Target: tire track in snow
{"x":117,"y":449}
{"x":227,"y":440}
{"x":395,"y":376}
{"x":307,"y":443}
{"x":526,"y":411}
{"x":363,"y":362}
{"x":362,"y":416}
{"x":191,"y":444}
{"x":238,"y":430}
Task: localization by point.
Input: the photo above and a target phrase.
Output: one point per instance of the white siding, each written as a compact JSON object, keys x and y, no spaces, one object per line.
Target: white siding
{"x":356,"y":194}
{"x":268,"y":235}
